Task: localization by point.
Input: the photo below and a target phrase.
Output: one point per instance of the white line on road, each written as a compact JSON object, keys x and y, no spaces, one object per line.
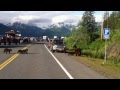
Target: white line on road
{"x":63,"y":68}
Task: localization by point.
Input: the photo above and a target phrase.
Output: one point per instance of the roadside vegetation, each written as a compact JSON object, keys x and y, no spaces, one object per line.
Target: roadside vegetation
{"x":109,"y":69}
{"x":87,"y":36}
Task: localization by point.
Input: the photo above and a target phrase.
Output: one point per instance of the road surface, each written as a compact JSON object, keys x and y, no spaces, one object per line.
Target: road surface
{"x":39,"y":63}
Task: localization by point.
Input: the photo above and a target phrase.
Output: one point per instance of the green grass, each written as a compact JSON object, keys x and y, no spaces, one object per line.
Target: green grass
{"x":109,"y":69}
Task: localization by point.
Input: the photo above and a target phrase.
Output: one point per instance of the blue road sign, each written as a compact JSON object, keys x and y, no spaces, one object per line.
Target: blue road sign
{"x":106,"y":33}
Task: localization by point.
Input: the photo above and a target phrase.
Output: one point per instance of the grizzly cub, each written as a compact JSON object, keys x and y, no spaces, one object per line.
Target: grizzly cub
{"x":25,"y":51}
{"x":7,"y":50}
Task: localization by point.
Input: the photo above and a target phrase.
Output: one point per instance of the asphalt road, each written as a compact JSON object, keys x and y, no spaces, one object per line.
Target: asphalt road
{"x":15,"y":48}
{"x":77,"y":69}
{"x":40,"y":64}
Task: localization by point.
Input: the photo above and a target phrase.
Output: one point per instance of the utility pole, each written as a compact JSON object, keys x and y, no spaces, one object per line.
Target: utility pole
{"x":102,"y":28}
{"x":107,"y":18}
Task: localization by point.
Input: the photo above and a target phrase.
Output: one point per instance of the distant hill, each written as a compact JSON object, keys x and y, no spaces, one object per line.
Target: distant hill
{"x":27,"y":30}
{"x":34,"y":31}
{"x":3,"y":29}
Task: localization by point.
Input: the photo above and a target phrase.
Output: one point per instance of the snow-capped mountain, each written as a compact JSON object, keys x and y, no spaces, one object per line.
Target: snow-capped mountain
{"x":31,"y":30}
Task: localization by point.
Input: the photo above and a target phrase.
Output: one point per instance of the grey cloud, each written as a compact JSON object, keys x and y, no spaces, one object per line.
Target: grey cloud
{"x":70,"y":21}
{"x":8,"y":15}
{"x":43,"y":17}
{"x":40,"y":20}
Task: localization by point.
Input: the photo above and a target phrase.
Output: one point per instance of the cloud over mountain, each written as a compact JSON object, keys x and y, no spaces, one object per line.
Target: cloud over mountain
{"x":44,"y":18}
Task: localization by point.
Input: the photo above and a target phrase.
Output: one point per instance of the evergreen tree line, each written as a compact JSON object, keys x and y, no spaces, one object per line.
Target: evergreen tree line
{"x":87,"y":36}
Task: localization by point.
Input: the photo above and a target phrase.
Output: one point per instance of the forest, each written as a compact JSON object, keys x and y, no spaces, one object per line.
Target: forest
{"x":89,"y":36}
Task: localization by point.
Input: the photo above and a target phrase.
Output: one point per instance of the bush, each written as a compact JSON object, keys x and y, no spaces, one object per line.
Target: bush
{"x":95,"y":49}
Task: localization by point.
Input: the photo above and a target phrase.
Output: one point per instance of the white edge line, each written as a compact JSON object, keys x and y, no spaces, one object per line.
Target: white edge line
{"x":63,"y":68}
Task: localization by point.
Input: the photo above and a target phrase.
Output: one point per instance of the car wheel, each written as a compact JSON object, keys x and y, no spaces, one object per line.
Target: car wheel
{"x":53,"y":51}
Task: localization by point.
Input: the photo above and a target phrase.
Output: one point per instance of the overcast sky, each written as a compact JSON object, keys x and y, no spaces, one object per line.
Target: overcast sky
{"x":43,"y":18}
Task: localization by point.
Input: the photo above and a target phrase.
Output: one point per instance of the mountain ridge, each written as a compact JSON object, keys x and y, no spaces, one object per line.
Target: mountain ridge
{"x":34,"y":31}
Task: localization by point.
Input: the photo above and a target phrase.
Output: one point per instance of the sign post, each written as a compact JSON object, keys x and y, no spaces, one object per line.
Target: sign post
{"x":106,"y":36}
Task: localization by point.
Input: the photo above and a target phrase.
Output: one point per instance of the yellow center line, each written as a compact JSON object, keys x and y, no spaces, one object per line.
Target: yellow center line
{"x":9,"y":60}
{"x":26,"y":47}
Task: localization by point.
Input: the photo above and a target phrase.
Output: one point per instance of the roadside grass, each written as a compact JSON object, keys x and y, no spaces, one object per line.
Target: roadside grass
{"x":109,"y":69}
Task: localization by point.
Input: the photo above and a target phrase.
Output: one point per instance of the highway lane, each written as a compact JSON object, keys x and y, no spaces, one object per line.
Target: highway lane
{"x":4,"y":56}
{"x":77,"y":69}
{"x":37,"y":64}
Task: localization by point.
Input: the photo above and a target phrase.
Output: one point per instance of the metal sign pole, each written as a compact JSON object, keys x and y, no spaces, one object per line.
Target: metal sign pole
{"x":106,"y":35}
{"x":105,"y":50}
{"x":105,"y":53}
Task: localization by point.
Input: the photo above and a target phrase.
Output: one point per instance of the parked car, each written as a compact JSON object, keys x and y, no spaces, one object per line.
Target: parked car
{"x":58,"y":46}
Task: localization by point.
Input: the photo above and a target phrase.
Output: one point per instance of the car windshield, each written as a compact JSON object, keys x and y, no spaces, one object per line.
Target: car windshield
{"x":58,"y":42}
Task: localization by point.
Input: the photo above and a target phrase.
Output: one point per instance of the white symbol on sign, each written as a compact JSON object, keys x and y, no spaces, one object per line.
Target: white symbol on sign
{"x":106,"y":33}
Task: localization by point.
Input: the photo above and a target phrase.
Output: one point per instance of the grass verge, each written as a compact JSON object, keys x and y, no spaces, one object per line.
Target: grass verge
{"x":109,"y":69}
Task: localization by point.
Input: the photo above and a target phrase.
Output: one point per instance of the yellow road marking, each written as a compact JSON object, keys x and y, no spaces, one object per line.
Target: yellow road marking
{"x":4,"y":64}
{"x":24,"y":48}
{"x":8,"y":59}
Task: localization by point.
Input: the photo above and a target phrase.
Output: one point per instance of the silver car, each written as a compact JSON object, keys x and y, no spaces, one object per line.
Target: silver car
{"x":58,"y":48}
